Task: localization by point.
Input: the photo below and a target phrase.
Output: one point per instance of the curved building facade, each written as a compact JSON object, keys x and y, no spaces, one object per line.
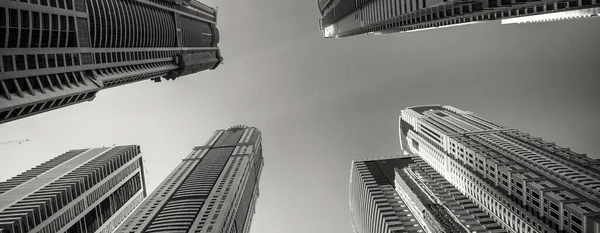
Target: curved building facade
{"x":524,"y":183}
{"x":342,"y":18}
{"x":58,"y":53}
{"x":214,"y":189}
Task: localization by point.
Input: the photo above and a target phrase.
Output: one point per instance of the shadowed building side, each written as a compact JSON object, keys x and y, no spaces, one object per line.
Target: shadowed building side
{"x":58,"y":53}
{"x":214,"y":189}
{"x":88,"y":190}
{"x":375,"y":207}
{"x":343,"y":18}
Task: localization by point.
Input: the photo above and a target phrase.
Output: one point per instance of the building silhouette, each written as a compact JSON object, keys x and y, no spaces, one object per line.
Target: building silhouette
{"x":524,"y":183}
{"x":214,"y":189}
{"x":86,"y":190}
{"x":58,"y":53}
{"x":342,"y":18}
{"x":404,"y":194}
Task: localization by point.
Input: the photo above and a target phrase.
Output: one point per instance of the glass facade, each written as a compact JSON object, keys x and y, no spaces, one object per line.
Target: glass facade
{"x":58,"y":53}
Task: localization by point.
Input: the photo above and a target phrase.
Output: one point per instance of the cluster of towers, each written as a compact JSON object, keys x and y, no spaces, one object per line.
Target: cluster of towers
{"x":459,"y":173}
{"x":56,"y":53}
{"x":462,"y":173}
{"x":103,"y":190}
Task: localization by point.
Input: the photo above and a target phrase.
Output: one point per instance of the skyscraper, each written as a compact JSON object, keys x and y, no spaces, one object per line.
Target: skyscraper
{"x":55,"y":53}
{"x":86,"y":190}
{"x":214,"y":189}
{"x":343,"y":18}
{"x":526,"y":184}
{"x":404,"y":194}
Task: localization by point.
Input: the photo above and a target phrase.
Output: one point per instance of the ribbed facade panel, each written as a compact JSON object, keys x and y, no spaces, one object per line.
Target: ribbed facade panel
{"x":375,"y":206}
{"x":59,"y":53}
{"x":214,"y":189}
{"x":80,"y":193}
{"x":523,"y":182}
{"x":343,"y":18}
{"x":36,"y":171}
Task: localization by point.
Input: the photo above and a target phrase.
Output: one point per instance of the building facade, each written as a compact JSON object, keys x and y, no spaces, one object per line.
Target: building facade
{"x":343,"y":18}
{"x":526,"y":184}
{"x":404,"y":194}
{"x":80,"y":191}
{"x":214,"y":189}
{"x":58,"y":53}
{"x":375,"y":206}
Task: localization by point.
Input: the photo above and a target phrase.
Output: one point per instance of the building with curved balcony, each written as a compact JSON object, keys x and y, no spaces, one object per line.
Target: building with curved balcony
{"x":214,"y":189}
{"x":58,"y":53}
{"x":80,"y":191}
{"x":342,"y":18}
{"x":524,"y":183}
{"x":404,"y":194}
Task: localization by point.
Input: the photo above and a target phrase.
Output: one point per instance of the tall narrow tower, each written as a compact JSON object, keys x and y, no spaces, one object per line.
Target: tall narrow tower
{"x":55,"y":53}
{"x":526,"y":184}
{"x":214,"y":189}
{"x":87,"y":190}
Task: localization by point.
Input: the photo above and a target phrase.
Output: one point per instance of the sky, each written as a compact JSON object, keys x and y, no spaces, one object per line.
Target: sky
{"x":322,"y":103}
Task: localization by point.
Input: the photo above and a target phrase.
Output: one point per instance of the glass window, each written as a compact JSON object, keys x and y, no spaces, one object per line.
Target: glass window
{"x":31,"y":62}
{"x":51,"y":61}
{"x":60,"y":60}
{"x":68,"y":59}
{"x":7,"y":62}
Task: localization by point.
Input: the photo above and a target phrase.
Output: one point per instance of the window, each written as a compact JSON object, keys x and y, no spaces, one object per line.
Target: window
{"x":51,"y":61}
{"x":8,"y":63}
{"x":60,"y":60}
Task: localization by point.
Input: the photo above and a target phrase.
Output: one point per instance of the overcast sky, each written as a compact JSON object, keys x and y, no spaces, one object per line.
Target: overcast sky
{"x":321,"y":103}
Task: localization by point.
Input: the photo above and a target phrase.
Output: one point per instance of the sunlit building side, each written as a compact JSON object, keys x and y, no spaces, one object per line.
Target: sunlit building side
{"x":524,"y":183}
{"x":404,"y":194}
{"x":80,"y":191}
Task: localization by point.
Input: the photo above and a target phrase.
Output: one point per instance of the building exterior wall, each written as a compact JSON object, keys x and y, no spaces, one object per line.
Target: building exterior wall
{"x":214,"y":189}
{"x":58,"y":53}
{"x":404,"y":194}
{"x":389,"y":16}
{"x":88,"y":190}
{"x":375,"y":206}
{"x":524,"y":183}
{"x":443,"y":207}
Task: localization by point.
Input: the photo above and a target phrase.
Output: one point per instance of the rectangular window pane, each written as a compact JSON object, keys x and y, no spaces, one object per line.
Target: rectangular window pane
{"x":60,"y":60}
{"x":51,"y":61}
{"x":31,"y":62}
{"x":68,"y":59}
{"x":8,"y":63}
{"x":41,"y":61}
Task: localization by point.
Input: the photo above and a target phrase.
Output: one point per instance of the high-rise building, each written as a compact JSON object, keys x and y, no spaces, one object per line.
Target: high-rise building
{"x":214,"y":189}
{"x":404,"y":194}
{"x":524,"y":183}
{"x":343,"y":18}
{"x":55,"y":53}
{"x":80,"y":191}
